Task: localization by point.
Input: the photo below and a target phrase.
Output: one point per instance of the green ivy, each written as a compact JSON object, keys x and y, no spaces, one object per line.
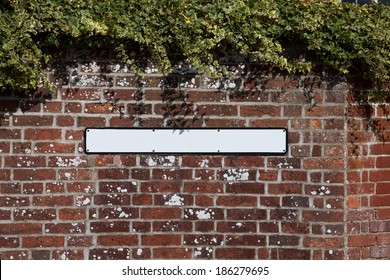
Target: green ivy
{"x":343,"y":37}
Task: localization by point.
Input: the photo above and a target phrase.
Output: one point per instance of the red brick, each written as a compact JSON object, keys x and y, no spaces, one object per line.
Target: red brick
{"x":359,"y":163}
{"x":10,"y":133}
{"x":35,"y":214}
{"x":383,"y":239}
{"x":25,"y":161}
{"x":260,"y":111}
{"x":5,"y":215}
{"x":284,"y":188}
{"x":14,"y":255}
{"x":325,"y":111}
{"x":295,"y":201}
{"x":14,"y":201}
{"x":201,"y":213}
{"x":109,"y":254}
{"x":160,"y":213}
{"x":283,"y":240}
{"x":361,"y":240}
{"x":10,"y":188}
{"x":160,"y":240}
{"x":383,"y":214}
{"x":119,"y":213}
{"x":113,"y":173}
{"x":225,"y":122}
{"x":69,"y":228}
{"x":80,"y":94}
{"x":9,"y":242}
{"x":171,"y":253}
{"x":295,"y":228}
{"x":91,"y":121}
{"x":53,"y":201}
{"x":269,"y":123}
{"x":74,"y":134}
{"x":322,"y":216}
{"x":79,"y":241}
{"x":295,"y":176}
{"x":34,"y":174}
{"x":170,"y":226}
{"x":112,"y":199}
{"x":203,"y":187}
{"x":380,"y":200}
{"x":117,"y":186}
{"x":42,"y":134}
{"x":319,"y":242}
{"x":245,"y":240}
{"x":142,"y":199}
{"x":235,"y":253}
{"x":42,"y":241}
{"x":268,"y":227}
{"x":236,"y":227}
{"x":197,"y":96}
{"x":161,"y":187}
{"x":383,"y":162}
{"x":246,"y":214}
{"x":20,"y":228}
{"x":323,"y":163}
{"x":52,"y":107}
{"x":204,"y":226}
{"x":171,"y":174}
{"x":270,"y":201}
{"x":237,"y":201}
{"x":244,"y":161}
{"x":115,"y":226}
{"x":65,"y":121}
{"x":294,"y":254}
{"x":72,"y":214}
{"x":245,"y":188}
{"x":68,"y":255}
{"x":122,"y":122}
{"x":28,"y":120}
{"x":380,"y":252}
{"x":73,"y":107}
{"x":380,"y":149}
{"x":201,"y":161}
{"x":353,"y":202}
{"x":117,"y":240}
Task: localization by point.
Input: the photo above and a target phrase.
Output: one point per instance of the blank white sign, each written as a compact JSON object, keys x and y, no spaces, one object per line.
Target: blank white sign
{"x":183,"y":141}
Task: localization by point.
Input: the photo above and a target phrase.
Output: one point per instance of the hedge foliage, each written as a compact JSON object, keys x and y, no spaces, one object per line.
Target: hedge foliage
{"x":344,"y":37}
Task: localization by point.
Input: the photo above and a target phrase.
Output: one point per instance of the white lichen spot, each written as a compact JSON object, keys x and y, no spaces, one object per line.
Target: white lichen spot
{"x":175,"y":200}
{"x":236,"y":175}
{"x":139,"y":252}
{"x":204,"y":214}
{"x":204,"y":163}
{"x":328,"y":206}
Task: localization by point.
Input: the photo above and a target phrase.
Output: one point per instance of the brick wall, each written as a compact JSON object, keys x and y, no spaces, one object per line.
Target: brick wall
{"x":328,"y":198}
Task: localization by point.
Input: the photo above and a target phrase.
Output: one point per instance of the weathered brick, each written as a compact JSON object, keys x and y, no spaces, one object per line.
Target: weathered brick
{"x":42,"y":134}
{"x":361,"y":240}
{"x":235,"y":253}
{"x":160,"y":213}
{"x":43,"y":241}
{"x":203,"y":187}
{"x":117,"y":240}
{"x":109,"y":254}
{"x":69,"y":228}
{"x":35,"y":214}
{"x":171,"y":253}
{"x":114,"y":226}
{"x":238,"y":201}
{"x":161,"y":240}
